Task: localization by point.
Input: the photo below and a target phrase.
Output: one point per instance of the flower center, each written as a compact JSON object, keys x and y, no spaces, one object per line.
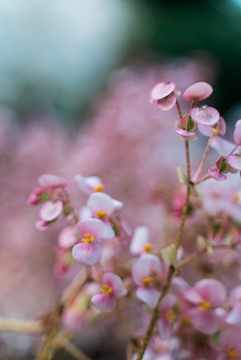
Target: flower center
{"x":147,"y":280}
{"x":106,"y":289}
{"x":170,"y":315}
{"x":215,"y":130}
{"x":236,"y":197}
{"x":99,"y":188}
{"x":148,"y":247}
{"x":205,"y":305}
{"x":101,"y":214}
{"x":88,"y":238}
{"x":232,"y":354}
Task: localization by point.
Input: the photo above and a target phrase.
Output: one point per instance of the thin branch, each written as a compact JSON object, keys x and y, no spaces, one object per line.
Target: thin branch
{"x":71,"y":349}
{"x":21,"y":326}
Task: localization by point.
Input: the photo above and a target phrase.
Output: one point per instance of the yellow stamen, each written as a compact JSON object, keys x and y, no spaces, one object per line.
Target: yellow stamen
{"x":88,"y":238}
{"x":170,"y":315}
{"x":107,"y":289}
{"x":215,"y":130}
{"x":236,"y":197}
{"x":101,"y":214}
{"x":148,"y":247}
{"x":232,"y":354}
{"x":147,"y":280}
{"x":205,"y":305}
{"x":186,"y":319}
{"x":99,"y":188}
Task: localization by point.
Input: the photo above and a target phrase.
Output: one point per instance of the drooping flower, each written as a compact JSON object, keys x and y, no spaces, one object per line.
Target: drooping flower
{"x":205,"y":115}
{"x":112,"y":288}
{"x":147,"y":273}
{"x":198,"y":91}
{"x":206,"y":296}
{"x":88,"y":250}
{"x":89,"y":184}
{"x":163,"y":94}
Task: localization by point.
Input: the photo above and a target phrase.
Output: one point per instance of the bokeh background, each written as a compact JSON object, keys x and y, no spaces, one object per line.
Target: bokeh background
{"x":74,"y":83}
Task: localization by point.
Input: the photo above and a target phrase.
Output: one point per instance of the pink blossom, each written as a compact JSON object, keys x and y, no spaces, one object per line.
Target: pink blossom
{"x":52,"y":181}
{"x":167,"y":103}
{"x":161,"y":90}
{"x":64,"y":260}
{"x":237,"y":133}
{"x":198,"y":91}
{"x":147,"y":273}
{"x":214,"y":173}
{"x":166,"y":316}
{"x":140,"y":241}
{"x":219,"y":128}
{"x":88,"y":251}
{"x":234,"y":161}
{"x":112,"y":288}
{"x":230,"y":342}
{"x":206,"y":295}
{"x":67,"y":238}
{"x":205,"y":115}
{"x":90,"y":184}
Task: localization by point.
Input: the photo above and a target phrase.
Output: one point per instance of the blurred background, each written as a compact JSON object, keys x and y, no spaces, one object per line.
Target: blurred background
{"x":75,"y":78}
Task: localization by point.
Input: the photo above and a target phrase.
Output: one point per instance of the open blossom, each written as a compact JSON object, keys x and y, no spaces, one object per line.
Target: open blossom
{"x":147,"y":273}
{"x":140,"y":241}
{"x":112,"y":288}
{"x":89,"y":184}
{"x":205,"y":115}
{"x":88,"y":250}
{"x":53,"y":197}
{"x":163,"y":94}
{"x":198,"y":91}
{"x":219,"y":128}
{"x":230,"y":344}
{"x":206,"y":296}
{"x":166,"y":316}
{"x":102,"y":207}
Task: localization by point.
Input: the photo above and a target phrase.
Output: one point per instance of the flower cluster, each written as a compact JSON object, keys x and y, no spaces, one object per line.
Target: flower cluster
{"x":165,"y":312}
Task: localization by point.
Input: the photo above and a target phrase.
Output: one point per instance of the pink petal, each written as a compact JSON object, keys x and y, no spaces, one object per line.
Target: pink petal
{"x":205,"y":130}
{"x":212,"y":291}
{"x":234,"y":161}
{"x":237,"y":134}
{"x":234,"y":317}
{"x":47,"y":180}
{"x":114,"y":281}
{"x":42,"y":225}
{"x":88,"y":184}
{"x":72,"y":320}
{"x":109,"y":232}
{"x":148,"y":296}
{"x":192,"y":295}
{"x":235,"y":294}
{"x":198,"y":91}
{"x":51,"y":210}
{"x":230,"y":338}
{"x":144,"y":266}
{"x":222,"y":146}
{"x":167,"y":103}
{"x":167,"y":303}
{"x":164,"y":327}
{"x":206,"y":321}
{"x":217,"y":175}
{"x":104,"y":302}
{"x":161,"y":90}
{"x":139,"y":239}
{"x":205,"y":115}
{"x":67,"y":238}
{"x":185,"y":133}
{"x":101,"y":202}
{"x":94,"y":227}
{"x":87,"y":253}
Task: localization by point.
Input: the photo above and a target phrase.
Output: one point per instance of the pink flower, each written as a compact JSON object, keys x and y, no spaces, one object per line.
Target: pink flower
{"x":67,"y":238}
{"x":90,"y":184}
{"x":234,"y":317}
{"x":88,"y":251}
{"x":112,"y":287}
{"x":186,"y":127}
{"x":102,"y":207}
{"x":205,"y":115}
{"x":198,"y":91}
{"x":234,"y":161}
{"x":206,"y":295}
{"x":166,"y":316}
{"x":219,"y":128}
{"x":237,"y":133}
{"x":140,"y":241}
{"x":230,"y":342}
{"x":164,"y":94}
{"x":147,"y":273}
{"x":221,"y":168}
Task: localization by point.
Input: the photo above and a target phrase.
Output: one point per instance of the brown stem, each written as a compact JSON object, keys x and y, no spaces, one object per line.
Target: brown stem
{"x":21,"y":326}
{"x":179,"y":109}
{"x":203,"y":179}
{"x":204,"y":158}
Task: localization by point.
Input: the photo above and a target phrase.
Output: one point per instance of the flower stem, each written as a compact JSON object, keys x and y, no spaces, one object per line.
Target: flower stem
{"x":204,"y":158}
{"x":21,"y":326}
{"x":203,"y":179}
